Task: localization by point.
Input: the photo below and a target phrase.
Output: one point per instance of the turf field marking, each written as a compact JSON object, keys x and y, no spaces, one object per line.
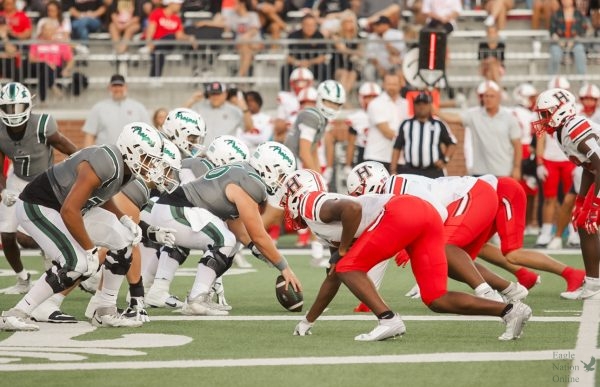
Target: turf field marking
{"x":586,"y":346}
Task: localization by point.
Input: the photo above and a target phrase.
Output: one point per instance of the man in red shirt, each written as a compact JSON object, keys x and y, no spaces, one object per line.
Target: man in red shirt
{"x":19,"y":25}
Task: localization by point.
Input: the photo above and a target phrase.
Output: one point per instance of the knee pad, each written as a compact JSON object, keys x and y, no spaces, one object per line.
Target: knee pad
{"x":137,"y":290}
{"x":61,"y":279}
{"x":118,"y":262}
{"x":217,"y":261}
{"x":178,"y":253}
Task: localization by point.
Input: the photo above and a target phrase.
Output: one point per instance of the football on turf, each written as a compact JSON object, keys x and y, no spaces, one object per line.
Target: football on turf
{"x":289,"y":299}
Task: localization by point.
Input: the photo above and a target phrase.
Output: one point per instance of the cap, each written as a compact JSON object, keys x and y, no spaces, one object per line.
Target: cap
{"x":423,"y":97}
{"x":117,"y":79}
{"x":383,"y":20}
{"x":485,"y":85}
{"x":215,"y":88}
{"x":167,"y":2}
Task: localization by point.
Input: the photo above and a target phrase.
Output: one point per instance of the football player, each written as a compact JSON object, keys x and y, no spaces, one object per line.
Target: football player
{"x":28,"y":140}
{"x":367,"y":230}
{"x":60,"y":205}
{"x":579,"y":139}
{"x":287,"y":102}
{"x":212,"y":212}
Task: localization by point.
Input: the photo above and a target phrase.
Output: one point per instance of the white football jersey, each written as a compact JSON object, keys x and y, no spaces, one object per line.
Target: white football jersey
{"x":524,"y":117}
{"x":572,"y":133}
{"x":552,"y":149}
{"x":331,"y":233}
{"x":287,"y":107}
{"x":359,"y":121}
{"x":415,"y":185}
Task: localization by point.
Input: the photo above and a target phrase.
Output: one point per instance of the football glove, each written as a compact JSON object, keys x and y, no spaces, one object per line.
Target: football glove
{"x":162,"y":235}
{"x":93,"y":263}
{"x":135,"y":230}
{"x":136,"y":310}
{"x":542,"y":172}
{"x":589,"y":218}
{"x":579,"y":201}
{"x":303,"y":328}
{"x":9,"y":198}
{"x":328,"y":174}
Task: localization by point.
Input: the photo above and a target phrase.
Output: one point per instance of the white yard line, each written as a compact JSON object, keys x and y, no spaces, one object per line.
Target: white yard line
{"x":450,"y":357}
{"x":586,"y":347}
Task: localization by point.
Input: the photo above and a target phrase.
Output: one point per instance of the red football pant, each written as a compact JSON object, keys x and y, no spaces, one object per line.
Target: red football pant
{"x":510,"y":218}
{"x":410,"y":223}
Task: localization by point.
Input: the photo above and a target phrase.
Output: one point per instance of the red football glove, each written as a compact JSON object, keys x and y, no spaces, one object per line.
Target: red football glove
{"x":589,"y":216}
{"x":402,"y":258}
{"x":577,"y":210}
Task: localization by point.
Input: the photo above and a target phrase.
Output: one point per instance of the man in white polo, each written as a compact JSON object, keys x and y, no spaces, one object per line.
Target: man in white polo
{"x":386,"y":113}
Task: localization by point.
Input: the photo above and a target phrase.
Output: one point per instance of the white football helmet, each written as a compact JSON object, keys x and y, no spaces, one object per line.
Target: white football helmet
{"x":553,"y":107}
{"x":368,"y":89}
{"x":274,"y":162}
{"x":559,"y":82}
{"x":187,"y":130}
{"x":300,"y":79}
{"x":332,"y":91}
{"x":15,"y":104}
{"x":523,"y":94}
{"x":589,"y":90}
{"x":368,"y":177}
{"x":142,"y":147}
{"x":298,"y":184}
{"x":166,"y":171}
{"x":308,"y":94}
{"x":225,"y":150}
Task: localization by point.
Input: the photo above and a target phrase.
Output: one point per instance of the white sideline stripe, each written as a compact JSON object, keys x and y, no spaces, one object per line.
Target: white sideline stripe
{"x":367,"y":317}
{"x":587,"y":341}
{"x":451,"y":357}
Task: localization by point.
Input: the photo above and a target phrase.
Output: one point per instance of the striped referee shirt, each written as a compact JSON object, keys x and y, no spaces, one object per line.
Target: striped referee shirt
{"x":421,"y":141}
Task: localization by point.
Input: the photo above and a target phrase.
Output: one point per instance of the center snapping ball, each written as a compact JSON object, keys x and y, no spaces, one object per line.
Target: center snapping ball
{"x":289,"y":299}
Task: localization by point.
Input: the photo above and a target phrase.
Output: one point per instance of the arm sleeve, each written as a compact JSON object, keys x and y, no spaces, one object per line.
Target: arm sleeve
{"x":399,"y":142}
{"x":376,"y":113}
{"x":51,"y":127}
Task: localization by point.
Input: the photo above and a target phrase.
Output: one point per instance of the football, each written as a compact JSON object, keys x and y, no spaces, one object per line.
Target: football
{"x":289,"y":299}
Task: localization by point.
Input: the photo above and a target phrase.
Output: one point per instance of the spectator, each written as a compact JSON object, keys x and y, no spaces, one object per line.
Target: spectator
{"x":272,"y":17}
{"x":589,"y":94}
{"x":262,"y":129}
{"x":309,"y":54}
{"x":542,"y":11}
{"x":369,"y":11}
{"x":19,"y":24}
{"x":53,"y":12}
{"x":442,"y":14}
{"x":494,"y":134}
{"x":385,"y":48}
{"x":491,"y":56}
{"x":386,"y":113}
{"x":497,"y":12}
{"x":245,"y":24}
{"x":328,"y":7}
{"x":159,"y":117}
{"x":8,"y":55}
{"x":348,"y":52}
{"x":566,"y":25}
{"x":164,"y":25}
{"x":426,"y":142}
{"x":86,"y":17}
{"x":221,"y":117}
{"x":107,"y":118}
{"x":50,"y":59}
{"x":125,"y":21}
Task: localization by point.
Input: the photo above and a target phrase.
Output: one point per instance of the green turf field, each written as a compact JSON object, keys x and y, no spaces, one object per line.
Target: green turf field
{"x":254,"y":346}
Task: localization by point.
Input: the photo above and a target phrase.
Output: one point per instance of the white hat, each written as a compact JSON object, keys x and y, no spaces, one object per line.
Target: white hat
{"x":485,"y":85}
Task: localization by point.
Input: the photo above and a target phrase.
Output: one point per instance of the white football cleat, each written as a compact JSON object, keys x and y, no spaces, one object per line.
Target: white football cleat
{"x":48,"y":312}
{"x":386,"y":328}
{"x":162,"y":299}
{"x":16,"y":320}
{"x":543,"y":240}
{"x":493,"y":295}
{"x":555,"y":244}
{"x":574,"y":295}
{"x":414,"y":292}
{"x":515,"y":320}
{"x":590,"y":292}
{"x":514,"y":292}
{"x":108,"y":317}
{"x":21,"y":287}
{"x":202,"y":306}
{"x":573,"y":240}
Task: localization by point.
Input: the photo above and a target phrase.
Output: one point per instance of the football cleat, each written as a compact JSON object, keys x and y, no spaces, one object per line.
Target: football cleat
{"x":515,"y":320}
{"x":108,"y":317}
{"x":574,"y":295}
{"x":543,"y":240}
{"x":385,"y":329}
{"x":514,"y":292}
{"x":162,"y":299}
{"x":16,"y":320}
{"x":21,"y":287}
{"x":590,"y":292}
{"x":555,"y":244}
{"x":414,"y":292}
{"x":202,"y":306}
{"x":47,"y":311}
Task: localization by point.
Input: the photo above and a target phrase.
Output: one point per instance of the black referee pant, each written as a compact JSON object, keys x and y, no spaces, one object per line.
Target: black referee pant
{"x":431,"y":172}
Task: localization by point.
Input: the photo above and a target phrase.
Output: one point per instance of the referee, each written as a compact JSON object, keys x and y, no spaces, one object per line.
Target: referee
{"x":426,"y":143}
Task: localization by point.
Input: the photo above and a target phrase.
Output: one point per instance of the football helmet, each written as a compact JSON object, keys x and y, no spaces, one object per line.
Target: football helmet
{"x":308,"y":94}
{"x":298,"y":184}
{"x":368,"y":89}
{"x":142,"y":147}
{"x":331,"y":91}
{"x":368,"y":177}
{"x":523,"y":94}
{"x":274,"y":162}
{"x":15,"y":104}
{"x":225,"y":150}
{"x":559,"y":82}
{"x":589,"y":90}
{"x":187,"y":130}
{"x":166,"y":171}
{"x":300,"y":79}
{"x":553,"y":107}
